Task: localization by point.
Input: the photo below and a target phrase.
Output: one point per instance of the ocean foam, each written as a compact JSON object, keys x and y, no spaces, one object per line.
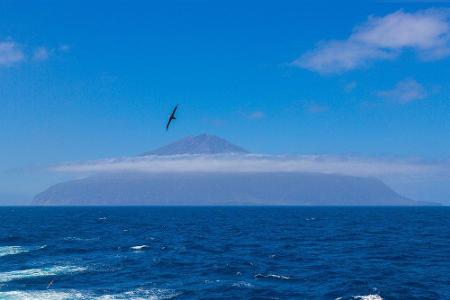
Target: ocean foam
{"x":33,"y":273}
{"x":12,"y":250}
{"x":141,"y":294}
{"x":368,"y":297}
{"x":138,"y":294}
{"x":41,"y":295}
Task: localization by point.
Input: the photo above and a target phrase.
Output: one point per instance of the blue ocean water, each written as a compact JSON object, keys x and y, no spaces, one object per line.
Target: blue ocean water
{"x":224,"y":253}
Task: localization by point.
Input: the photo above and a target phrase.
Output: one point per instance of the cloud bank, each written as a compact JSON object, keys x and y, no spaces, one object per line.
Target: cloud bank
{"x":426,"y":32}
{"x":260,"y":163}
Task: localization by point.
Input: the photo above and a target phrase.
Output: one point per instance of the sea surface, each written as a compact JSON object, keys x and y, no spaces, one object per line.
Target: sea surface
{"x":342,"y":253}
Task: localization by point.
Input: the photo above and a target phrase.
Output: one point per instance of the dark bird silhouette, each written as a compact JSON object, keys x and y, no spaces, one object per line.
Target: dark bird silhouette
{"x":50,"y":284}
{"x":172,"y":117}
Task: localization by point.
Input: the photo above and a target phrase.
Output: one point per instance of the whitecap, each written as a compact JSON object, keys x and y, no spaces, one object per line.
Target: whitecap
{"x":75,"y":238}
{"x":42,"y":272}
{"x":12,"y":250}
{"x":274,"y":276}
{"x":141,"y":294}
{"x":140,"y":247}
{"x":242,"y":284}
{"x":368,"y":297}
{"x":72,"y":238}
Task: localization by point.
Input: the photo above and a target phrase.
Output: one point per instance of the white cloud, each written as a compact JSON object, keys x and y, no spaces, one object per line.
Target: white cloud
{"x":340,"y":56}
{"x":259,"y":163}
{"x":41,"y":54}
{"x":427,"y":32}
{"x":405,"y":91}
{"x":10,"y":53}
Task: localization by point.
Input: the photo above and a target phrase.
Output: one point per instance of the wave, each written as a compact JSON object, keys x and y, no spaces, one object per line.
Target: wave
{"x":75,"y":238}
{"x":151,"y":294}
{"x":12,"y":250}
{"x":273,"y":276}
{"x":43,"y":272}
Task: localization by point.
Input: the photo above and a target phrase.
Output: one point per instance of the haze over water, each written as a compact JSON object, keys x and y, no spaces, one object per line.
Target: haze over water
{"x":224,"y":253}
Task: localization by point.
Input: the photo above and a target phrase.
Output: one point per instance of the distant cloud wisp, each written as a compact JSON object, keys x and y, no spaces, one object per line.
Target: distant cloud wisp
{"x":10,"y":53}
{"x":349,"y":87}
{"x":253,"y":115}
{"x":426,"y":32}
{"x":41,"y":54}
{"x":315,"y":108}
{"x":405,"y":91}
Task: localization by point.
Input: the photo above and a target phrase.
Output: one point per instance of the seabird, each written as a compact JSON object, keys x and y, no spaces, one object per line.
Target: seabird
{"x":50,"y":284}
{"x":172,"y":117}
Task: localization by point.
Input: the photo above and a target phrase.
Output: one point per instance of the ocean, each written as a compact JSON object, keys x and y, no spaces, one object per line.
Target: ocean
{"x":367,"y":253}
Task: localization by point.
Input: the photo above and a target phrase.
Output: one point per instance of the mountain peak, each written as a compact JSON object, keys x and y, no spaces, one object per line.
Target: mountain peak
{"x":200,"y":144}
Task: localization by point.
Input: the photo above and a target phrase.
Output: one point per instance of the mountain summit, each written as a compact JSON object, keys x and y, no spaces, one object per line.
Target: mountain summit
{"x":200,"y":144}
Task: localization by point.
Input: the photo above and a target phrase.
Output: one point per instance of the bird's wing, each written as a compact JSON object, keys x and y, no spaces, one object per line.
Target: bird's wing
{"x":174,"y":111}
{"x":168,"y":123}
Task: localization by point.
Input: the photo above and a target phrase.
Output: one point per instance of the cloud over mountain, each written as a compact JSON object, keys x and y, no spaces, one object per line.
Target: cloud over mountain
{"x":257,"y":163}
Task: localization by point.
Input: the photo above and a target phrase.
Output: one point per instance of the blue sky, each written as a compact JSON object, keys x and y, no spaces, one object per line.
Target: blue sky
{"x":82,"y":80}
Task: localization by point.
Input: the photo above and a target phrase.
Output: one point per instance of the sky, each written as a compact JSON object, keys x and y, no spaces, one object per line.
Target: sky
{"x":87,"y":81}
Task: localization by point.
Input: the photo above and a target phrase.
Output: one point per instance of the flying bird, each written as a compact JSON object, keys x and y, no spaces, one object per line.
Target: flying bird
{"x":172,"y":117}
{"x":50,"y":284}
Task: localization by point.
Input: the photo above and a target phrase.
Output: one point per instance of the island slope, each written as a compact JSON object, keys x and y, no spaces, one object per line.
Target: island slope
{"x":221,"y":189}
